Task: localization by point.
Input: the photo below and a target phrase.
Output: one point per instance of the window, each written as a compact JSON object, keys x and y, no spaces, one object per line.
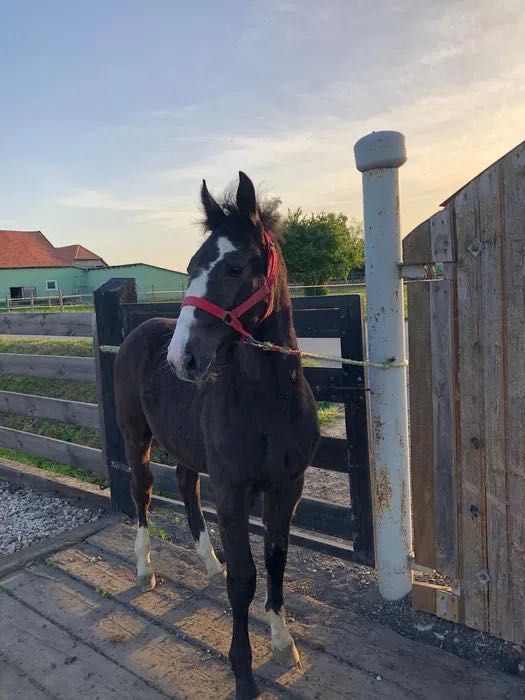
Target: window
{"x":16,"y":292}
{"x":51,"y":285}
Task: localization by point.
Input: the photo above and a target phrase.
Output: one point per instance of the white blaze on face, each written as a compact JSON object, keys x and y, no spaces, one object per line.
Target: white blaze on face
{"x":197,"y":288}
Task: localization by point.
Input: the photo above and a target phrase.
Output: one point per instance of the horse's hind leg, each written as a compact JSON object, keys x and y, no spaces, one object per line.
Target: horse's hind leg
{"x":189,"y":485}
{"x":278,"y":510}
{"x":138,"y":448}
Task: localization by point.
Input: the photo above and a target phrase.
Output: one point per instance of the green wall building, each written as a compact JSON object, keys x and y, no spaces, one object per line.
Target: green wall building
{"x":31,"y":267}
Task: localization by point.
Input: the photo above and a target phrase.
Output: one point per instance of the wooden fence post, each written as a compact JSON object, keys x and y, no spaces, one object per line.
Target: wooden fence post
{"x":108,"y":330}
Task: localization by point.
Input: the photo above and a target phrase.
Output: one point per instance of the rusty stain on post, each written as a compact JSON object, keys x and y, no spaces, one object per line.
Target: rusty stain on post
{"x":383,"y":490}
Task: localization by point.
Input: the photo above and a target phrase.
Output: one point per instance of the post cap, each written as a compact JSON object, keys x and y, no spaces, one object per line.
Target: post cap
{"x":380,"y":149}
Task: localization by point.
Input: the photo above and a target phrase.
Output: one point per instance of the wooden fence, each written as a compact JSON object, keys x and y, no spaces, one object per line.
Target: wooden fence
{"x":467,"y":401}
{"x":315,"y":519}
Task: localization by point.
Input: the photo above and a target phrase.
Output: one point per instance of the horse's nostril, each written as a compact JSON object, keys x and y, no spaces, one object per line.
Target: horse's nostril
{"x":188,"y":362}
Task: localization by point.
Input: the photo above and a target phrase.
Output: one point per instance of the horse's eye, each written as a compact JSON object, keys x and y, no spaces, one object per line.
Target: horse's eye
{"x":235,"y":270}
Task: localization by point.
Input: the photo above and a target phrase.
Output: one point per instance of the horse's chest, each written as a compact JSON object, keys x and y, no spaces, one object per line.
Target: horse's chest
{"x":264,"y":443}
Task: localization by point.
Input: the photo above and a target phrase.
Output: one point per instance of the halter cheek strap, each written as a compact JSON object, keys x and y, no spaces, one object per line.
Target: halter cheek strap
{"x":232,"y":317}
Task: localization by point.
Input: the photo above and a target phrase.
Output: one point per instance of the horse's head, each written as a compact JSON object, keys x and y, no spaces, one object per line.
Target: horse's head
{"x":228,"y":268}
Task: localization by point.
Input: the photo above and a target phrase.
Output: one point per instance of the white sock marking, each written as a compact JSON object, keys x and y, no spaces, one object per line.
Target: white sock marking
{"x":197,"y":288}
{"x":281,"y":637}
{"x":143,"y":552}
{"x":206,"y":552}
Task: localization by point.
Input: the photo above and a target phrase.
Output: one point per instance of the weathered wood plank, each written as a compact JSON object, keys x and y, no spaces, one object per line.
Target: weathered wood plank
{"x":514,"y":342}
{"x":414,"y":669}
{"x":55,"y":663}
{"x":42,"y":549}
{"x":494,"y":398}
{"x":437,"y":600}
{"x":14,"y":683}
{"x":421,"y":422}
{"x":431,"y":241}
{"x":51,"y":366}
{"x":443,"y":378}
{"x":203,"y":622}
{"x":69,"y":453}
{"x":75,"y":412}
{"x":471,"y":468}
{"x":441,"y":237}
{"x":417,"y":248}
{"x":331,"y":454}
{"x":71,"y":324}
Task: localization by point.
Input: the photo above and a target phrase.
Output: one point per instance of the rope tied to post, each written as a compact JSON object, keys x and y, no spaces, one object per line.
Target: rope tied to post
{"x":389,"y":363}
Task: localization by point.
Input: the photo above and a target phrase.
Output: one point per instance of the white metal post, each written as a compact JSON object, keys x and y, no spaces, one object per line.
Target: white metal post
{"x":378,"y":156}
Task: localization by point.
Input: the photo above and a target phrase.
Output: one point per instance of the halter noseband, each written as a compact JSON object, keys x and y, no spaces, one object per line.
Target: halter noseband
{"x":232,"y":317}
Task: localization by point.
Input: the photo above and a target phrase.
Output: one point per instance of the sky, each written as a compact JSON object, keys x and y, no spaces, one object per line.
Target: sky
{"x":112,"y":111}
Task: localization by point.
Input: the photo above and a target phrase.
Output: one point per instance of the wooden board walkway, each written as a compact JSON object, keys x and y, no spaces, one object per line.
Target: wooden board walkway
{"x":73,"y":625}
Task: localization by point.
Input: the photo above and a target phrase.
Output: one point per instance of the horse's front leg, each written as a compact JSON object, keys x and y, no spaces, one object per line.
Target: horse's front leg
{"x":279,"y":506}
{"x":189,"y":486}
{"x":233,"y":509}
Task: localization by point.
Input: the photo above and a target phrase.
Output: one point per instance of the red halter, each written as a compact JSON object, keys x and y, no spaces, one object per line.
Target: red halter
{"x":232,"y":317}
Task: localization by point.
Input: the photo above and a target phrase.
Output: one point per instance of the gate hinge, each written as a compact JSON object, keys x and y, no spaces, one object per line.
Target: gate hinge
{"x":428,"y":271}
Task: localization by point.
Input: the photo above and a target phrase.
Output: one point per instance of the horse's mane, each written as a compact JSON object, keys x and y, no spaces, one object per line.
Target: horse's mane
{"x":267,"y":210}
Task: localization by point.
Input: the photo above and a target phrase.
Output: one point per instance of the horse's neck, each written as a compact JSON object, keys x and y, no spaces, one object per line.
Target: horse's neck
{"x":255,"y":364}
{"x":278,"y":328}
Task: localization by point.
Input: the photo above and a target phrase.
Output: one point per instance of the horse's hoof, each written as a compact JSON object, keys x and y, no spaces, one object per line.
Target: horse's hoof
{"x":287,"y":656}
{"x":247,"y":691}
{"x":147,"y":582}
{"x":219,"y":578}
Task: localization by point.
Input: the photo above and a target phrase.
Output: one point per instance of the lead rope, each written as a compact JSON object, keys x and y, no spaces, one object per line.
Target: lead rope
{"x":271,"y":347}
{"x":389,"y":363}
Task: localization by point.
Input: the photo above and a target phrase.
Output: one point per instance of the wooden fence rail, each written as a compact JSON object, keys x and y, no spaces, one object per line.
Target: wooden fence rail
{"x":81,"y":369}
{"x":73,"y":412}
{"x":312,"y":514}
{"x":74,"y":324}
{"x":329,"y":319}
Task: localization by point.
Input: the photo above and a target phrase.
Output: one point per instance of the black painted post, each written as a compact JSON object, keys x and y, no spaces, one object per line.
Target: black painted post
{"x":356,"y":418}
{"x":109,"y":331}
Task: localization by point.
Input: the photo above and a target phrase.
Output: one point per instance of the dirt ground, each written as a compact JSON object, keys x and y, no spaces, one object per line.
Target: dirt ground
{"x":329,"y":486}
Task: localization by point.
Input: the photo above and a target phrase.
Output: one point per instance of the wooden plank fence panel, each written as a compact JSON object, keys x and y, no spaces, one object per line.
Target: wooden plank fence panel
{"x":472,"y":497}
{"x":74,"y":412}
{"x":79,"y":456}
{"x":494,"y":400}
{"x":421,"y":423}
{"x":51,"y":366}
{"x":514,"y":340}
{"x":443,"y":379}
{"x":72,"y":324}
{"x":417,"y":247}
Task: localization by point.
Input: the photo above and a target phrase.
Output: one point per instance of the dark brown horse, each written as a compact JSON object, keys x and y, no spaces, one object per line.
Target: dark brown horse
{"x":222,"y":407}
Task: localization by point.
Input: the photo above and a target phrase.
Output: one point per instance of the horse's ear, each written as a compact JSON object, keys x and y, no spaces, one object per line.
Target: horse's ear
{"x":246,"y":199}
{"x":214,"y":214}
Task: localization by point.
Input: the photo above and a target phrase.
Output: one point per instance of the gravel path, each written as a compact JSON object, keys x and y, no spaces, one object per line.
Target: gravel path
{"x":27,"y":516}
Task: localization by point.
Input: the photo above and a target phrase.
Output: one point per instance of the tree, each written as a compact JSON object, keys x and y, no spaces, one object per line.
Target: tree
{"x":322,"y":247}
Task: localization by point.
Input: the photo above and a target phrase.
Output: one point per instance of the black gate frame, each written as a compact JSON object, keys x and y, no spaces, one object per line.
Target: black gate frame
{"x":341,"y":316}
